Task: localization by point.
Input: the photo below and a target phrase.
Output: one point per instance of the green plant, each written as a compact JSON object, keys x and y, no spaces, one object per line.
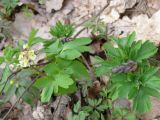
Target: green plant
{"x":122,"y":114}
{"x":131,"y":74}
{"x":27,"y":12}
{"x":97,"y":27}
{"x":56,"y":76}
{"x":63,"y":69}
{"x":96,"y":108}
{"x":93,"y":110}
{"x":78,"y":113}
{"x":9,"y":6}
{"x":62,"y":31}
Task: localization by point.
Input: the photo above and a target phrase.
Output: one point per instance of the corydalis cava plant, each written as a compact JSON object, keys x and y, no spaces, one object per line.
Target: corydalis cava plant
{"x":138,"y":84}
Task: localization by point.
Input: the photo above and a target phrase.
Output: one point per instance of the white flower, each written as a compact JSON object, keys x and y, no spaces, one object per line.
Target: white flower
{"x":26,"y":56}
{"x":25,"y":46}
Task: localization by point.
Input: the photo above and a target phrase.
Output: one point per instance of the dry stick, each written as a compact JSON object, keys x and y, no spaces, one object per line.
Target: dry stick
{"x":92,"y":75}
{"x":98,"y":14}
{"x":84,"y":59}
{"x":59,"y":101}
{"x":27,"y":87}
{"x":81,"y":30}
{"x":18,"y":100}
{"x":16,"y":72}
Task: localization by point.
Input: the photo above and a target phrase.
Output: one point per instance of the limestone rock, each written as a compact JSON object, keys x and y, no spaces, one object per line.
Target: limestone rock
{"x":146,"y":28}
{"x":53,"y":4}
{"x":116,"y":7}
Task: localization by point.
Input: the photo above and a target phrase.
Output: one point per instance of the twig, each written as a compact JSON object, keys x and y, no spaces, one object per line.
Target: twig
{"x":18,"y":100}
{"x":40,"y":72}
{"x":94,"y":16}
{"x":57,"y":105}
{"x":81,"y":30}
{"x":92,"y":75}
{"x":16,"y":72}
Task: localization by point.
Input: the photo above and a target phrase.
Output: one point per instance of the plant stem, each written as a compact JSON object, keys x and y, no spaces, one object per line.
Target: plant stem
{"x":92,"y":75}
{"x":18,"y":100}
{"x":16,"y":72}
{"x":94,"y":16}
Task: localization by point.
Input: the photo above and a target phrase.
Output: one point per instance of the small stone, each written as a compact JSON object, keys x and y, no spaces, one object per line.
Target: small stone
{"x":38,"y":114}
{"x":53,"y":5}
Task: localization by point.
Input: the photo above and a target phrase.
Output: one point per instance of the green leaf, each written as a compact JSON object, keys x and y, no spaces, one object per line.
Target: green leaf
{"x":153,"y":82}
{"x":77,"y":107}
{"x":95,"y":115}
{"x":119,"y":78}
{"x":62,"y":91}
{"x":131,"y":38}
{"x":47,"y":92}
{"x":83,"y":48}
{"x":60,"y":84}
{"x":133,"y":92}
{"x":82,"y":115}
{"x":142,"y":102}
{"x":32,"y":36}
{"x":111,"y":51}
{"x":8,"y":53}
{"x":70,"y":116}
{"x":28,"y":98}
{"x":96,"y":60}
{"x":54,"y":48}
{"x":136,"y":45}
{"x":10,"y":92}
{"x":91,"y":102}
{"x":87,"y":109}
{"x":79,"y":70}
{"x":62,"y":30}
{"x":35,"y":92}
{"x":147,"y":50}
{"x":42,"y":82}
{"x":5,"y":73}
{"x":148,"y":73}
{"x":20,"y":91}
{"x":130,"y":116}
{"x":70,"y":54}
{"x":106,"y":67}
{"x":37,"y":40}
{"x":52,"y":69}
{"x":122,"y":42}
{"x":63,"y":80}
{"x":2,"y":59}
{"x":152,"y":92}
{"x":9,"y":5}
{"x":76,"y":43}
{"x":124,"y":90}
{"x":102,"y":107}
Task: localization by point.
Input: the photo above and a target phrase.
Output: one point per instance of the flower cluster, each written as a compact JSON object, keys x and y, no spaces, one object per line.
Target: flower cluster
{"x":26,"y":56}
